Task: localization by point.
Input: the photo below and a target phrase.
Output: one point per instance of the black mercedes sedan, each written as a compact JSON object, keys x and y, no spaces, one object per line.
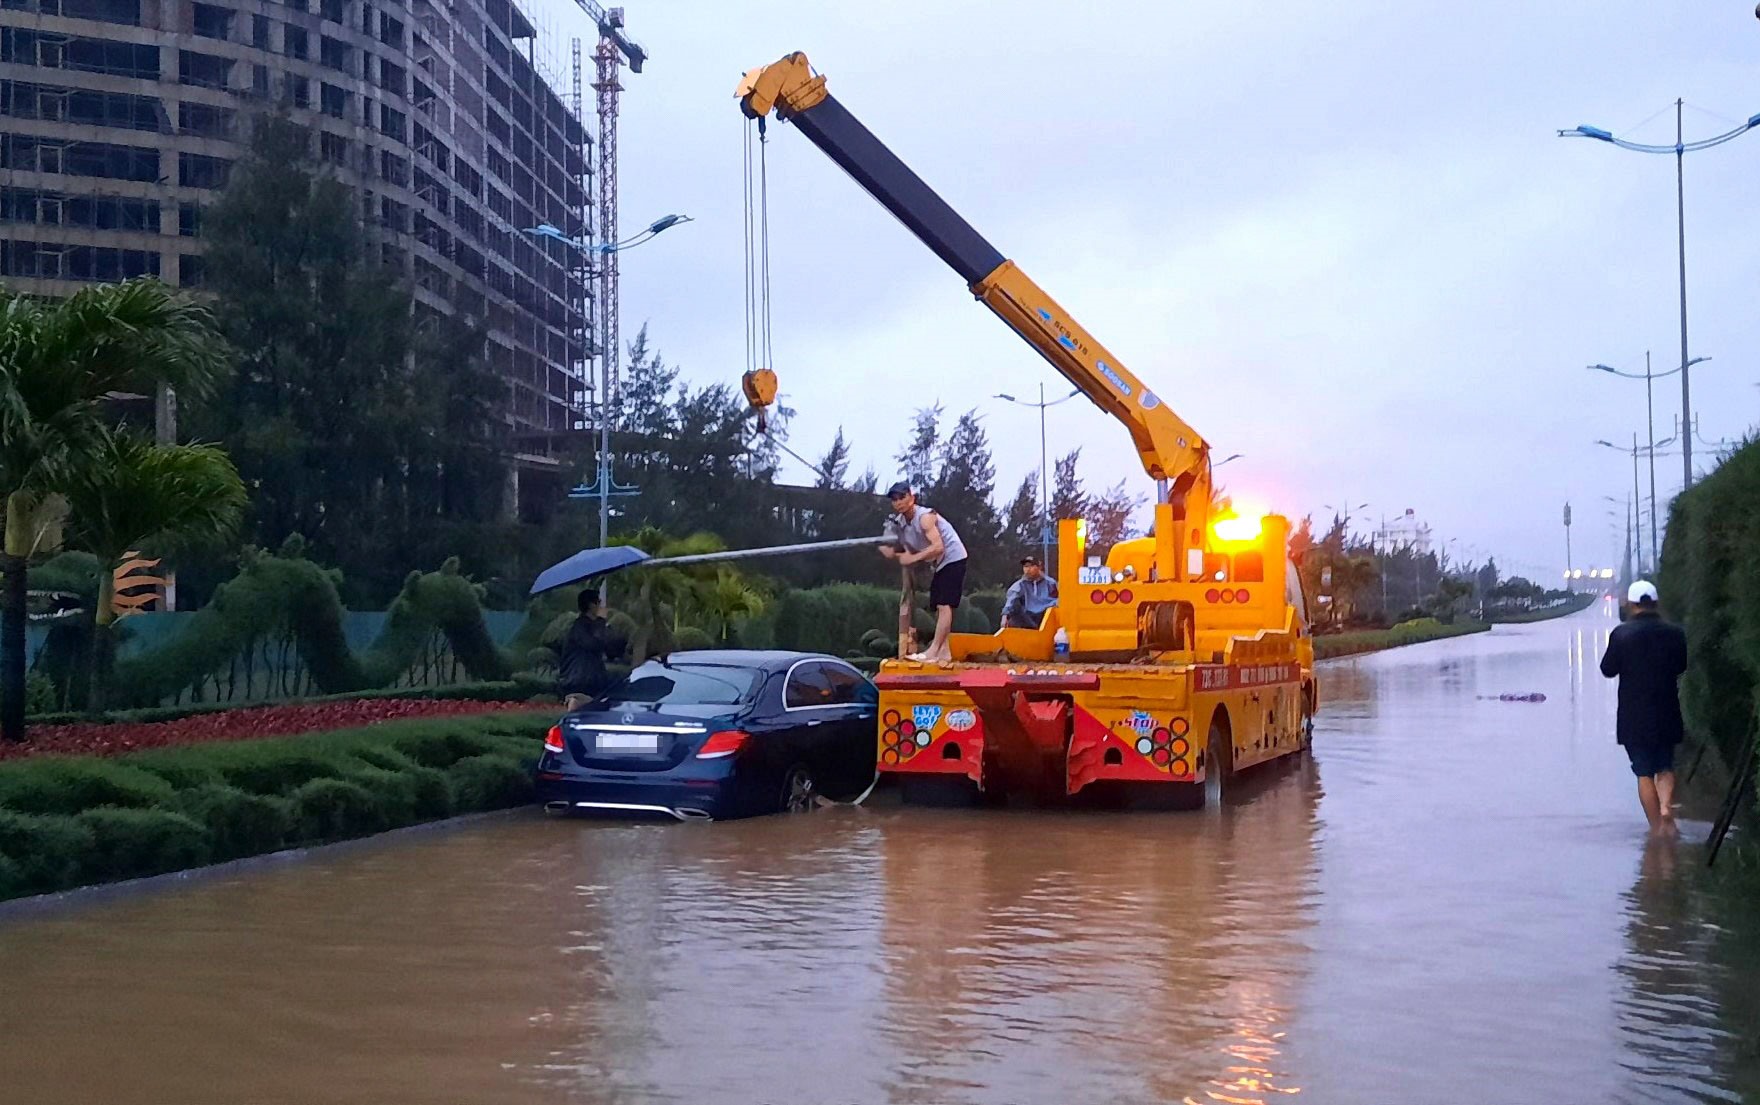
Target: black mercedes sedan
{"x":715,"y":734}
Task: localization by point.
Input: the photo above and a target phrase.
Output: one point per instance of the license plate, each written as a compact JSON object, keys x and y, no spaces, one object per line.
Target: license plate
{"x":627,"y":742}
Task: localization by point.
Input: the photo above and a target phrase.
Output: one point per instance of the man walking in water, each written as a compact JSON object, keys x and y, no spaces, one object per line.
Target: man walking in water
{"x":926,"y":535}
{"x":1648,"y":656}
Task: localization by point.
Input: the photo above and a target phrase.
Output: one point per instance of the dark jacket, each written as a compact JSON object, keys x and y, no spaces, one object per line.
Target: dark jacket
{"x":1649,"y":655}
{"x":589,"y":645}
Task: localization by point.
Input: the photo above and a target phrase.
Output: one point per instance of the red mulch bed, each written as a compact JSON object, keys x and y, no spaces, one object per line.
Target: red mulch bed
{"x":247,"y":723}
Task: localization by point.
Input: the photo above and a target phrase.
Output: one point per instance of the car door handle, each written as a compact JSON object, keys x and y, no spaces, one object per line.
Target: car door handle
{"x":816,"y":721}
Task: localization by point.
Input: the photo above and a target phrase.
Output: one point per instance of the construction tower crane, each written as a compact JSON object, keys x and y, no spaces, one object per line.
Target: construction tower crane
{"x":615,"y":48}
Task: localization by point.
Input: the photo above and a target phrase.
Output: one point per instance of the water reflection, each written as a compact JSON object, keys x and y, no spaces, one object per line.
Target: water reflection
{"x":1045,"y":957}
{"x":1670,"y":1028}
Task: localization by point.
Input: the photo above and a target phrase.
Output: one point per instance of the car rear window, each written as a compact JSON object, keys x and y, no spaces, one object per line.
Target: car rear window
{"x":677,"y":684}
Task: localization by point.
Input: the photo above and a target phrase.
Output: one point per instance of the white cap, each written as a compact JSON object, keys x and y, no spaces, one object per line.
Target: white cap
{"x":1641,"y":591}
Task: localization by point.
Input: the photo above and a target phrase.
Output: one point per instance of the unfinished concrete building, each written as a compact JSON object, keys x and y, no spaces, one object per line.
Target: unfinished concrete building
{"x":119,"y":120}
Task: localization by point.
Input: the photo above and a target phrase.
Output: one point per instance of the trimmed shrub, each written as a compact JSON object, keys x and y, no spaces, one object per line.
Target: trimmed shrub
{"x":182,"y":774}
{"x":238,"y":824}
{"x":440,"y":750}
{"x":47,"y":853}
{"x":336,"y":809}
{"x":691,"y":639}
{"x":52,"y":785}
{"x":11,"y":879}
{"x":393,"y":792}
{"x":433,"y":793}
{"x":129,"y":844}
{"x":969,"y":619}
{"x":262,"y":769}
{"x":490,"y":782}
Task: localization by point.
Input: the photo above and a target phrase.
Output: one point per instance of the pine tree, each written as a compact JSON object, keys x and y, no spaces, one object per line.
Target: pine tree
{"x":1067,"y":498}
{"x":834,"y":465}
{"x":916,"y":462}
{"x":1020,"y":523}
{"x":1109,"y":518}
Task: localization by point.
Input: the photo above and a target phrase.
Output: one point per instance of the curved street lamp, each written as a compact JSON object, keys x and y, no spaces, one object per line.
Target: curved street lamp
{"x":1650,"y":418}
{"x":602,"y":486}
{"x":1680,"y":148}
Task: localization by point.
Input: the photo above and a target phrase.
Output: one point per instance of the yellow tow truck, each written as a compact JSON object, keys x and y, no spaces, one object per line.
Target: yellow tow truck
{"x":1188,"y":653}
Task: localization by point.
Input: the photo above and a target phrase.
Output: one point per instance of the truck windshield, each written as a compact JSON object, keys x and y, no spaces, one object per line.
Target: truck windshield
{"x":656,"y":684}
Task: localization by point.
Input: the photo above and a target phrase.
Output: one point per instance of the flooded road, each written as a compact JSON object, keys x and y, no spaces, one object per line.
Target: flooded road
{"x":1452,"y":901}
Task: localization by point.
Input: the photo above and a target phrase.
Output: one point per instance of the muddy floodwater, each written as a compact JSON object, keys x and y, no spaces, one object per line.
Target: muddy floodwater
{"x":1452,"y":900}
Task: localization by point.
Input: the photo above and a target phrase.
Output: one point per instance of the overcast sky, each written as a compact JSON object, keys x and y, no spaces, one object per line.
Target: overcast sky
{"x":1341,"y":239}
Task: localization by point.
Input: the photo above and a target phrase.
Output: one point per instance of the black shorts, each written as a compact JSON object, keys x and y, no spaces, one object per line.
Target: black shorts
{"x":947,"y":585}
{"x":1650,"y":759}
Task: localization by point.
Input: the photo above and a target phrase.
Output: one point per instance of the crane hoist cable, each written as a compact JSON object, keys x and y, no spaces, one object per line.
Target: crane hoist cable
{"x":759,"y":381}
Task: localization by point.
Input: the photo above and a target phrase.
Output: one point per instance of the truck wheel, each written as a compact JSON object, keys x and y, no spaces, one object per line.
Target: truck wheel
{"x":1218,"y":761}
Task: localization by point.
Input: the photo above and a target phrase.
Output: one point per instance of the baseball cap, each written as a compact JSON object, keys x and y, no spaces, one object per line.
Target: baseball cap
{"x":1641,"y":591}
{"x":898,"y":490}
{"x":1026,"y":560}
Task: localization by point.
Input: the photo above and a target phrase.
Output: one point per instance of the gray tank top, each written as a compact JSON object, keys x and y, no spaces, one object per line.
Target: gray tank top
{"x":915,"y":538}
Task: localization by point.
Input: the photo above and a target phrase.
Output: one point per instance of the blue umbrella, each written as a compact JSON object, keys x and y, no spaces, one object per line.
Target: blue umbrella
{"x":586,"y":564}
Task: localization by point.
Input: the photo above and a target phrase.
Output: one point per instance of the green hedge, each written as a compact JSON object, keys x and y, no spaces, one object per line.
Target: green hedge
{"x":68,"y":822}
{"x":1416,"y":631}
{"x":1710,"y":583}
{"x":1576,"y":603}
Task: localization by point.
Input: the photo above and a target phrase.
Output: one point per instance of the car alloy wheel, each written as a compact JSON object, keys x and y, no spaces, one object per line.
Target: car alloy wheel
{"x":799,"y":792}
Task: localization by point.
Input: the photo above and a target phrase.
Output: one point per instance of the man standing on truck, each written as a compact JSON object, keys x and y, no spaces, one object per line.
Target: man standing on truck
{"x":1029,"y":596}
{"x":926,"y":535}
{"x":1649,"y":655}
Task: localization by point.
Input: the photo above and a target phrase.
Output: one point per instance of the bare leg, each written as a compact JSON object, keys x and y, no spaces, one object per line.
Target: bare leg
{"x":1652,"y":806}
{"x":943,"y":626}
{"x":1665,"y":793}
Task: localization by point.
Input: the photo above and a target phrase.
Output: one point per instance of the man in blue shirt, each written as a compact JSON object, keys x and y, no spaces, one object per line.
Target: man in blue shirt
{"x":1029,"y":596}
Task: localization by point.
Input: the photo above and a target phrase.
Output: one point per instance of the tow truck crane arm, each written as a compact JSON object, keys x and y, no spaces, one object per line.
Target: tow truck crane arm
{"x":1171,"y":451}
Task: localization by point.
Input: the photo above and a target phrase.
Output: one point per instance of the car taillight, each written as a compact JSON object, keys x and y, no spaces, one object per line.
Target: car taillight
{"x":724,"y":743}
{"x":553,"y":740}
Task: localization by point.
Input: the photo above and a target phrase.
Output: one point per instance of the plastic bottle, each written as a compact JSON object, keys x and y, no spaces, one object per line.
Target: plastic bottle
{"x":1060,"y":644}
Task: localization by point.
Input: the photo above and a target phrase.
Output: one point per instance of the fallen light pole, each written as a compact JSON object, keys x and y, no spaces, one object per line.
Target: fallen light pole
{"x":597,"y":562}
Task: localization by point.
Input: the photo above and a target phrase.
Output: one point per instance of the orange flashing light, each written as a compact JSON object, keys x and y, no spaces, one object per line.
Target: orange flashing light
{"x":1236,"y":530}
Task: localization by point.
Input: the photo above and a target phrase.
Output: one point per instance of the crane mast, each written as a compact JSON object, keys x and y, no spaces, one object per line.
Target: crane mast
{"x":1172,"y":453}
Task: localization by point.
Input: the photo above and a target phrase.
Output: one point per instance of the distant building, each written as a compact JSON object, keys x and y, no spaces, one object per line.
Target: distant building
{"x":1404,"y":532}
{"x":120,"y":119}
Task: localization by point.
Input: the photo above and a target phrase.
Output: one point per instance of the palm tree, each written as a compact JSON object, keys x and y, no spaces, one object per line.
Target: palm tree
{"x":59,"y":363}
{"x":134,"y":493}
{"x":727,"y":598}
{"x":662,"y":592}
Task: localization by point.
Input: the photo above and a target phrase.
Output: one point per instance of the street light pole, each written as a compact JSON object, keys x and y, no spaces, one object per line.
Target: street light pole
{"x":1044,"y":488}
{"x":1567,"y":537}
{"x":608,"y":356}
{"x":1650,"y":419}
{"x":1635,"y":484}
{"x":1680,"y":208}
